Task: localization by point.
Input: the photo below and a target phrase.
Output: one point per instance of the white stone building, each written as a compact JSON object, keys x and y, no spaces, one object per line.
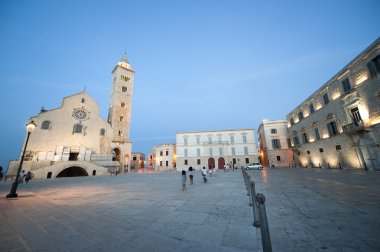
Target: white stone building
{"x":164,"y":157}
{"x":215,"y":148}
{"x":338,"y":126}
{"x":138,"y":160}
{"x":275,"y":149}
{"x":74,"y":140}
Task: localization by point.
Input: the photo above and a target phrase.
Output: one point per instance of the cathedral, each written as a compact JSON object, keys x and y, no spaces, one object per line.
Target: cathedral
{"x":74,"y":140}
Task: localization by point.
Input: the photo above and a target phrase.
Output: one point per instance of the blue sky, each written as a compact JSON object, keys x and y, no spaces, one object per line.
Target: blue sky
{"x":200,"y":65}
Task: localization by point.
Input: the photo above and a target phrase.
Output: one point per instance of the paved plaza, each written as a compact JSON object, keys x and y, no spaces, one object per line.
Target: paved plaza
{"x":308,"y":210}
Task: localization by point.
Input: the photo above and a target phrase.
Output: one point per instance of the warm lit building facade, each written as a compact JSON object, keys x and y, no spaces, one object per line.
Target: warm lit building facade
{"x":338,"y":126}
{"x":74,"y":140}
{"x":164,"y":157}
{"x":275,"y":149}
{"x":138,"y":160}
{"x":215,"y":148}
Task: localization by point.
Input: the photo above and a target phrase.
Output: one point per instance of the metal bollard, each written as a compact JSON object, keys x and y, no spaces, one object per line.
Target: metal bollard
{"x":256,"y":220}
{"x":248,"y":178}
{"x":265,"y":237}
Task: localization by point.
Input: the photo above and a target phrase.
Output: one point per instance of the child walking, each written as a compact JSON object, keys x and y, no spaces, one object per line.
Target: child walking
{"x":183,"y":180}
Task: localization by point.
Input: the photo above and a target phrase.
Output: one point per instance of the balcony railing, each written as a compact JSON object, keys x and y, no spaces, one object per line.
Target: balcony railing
{"x":353,"y":128}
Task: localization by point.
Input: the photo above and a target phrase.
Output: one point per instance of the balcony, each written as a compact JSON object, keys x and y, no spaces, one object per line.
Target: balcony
{"x":353,"y":128}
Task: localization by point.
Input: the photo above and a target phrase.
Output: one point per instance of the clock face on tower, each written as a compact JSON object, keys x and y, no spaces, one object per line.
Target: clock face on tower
{"x":80,"y":114}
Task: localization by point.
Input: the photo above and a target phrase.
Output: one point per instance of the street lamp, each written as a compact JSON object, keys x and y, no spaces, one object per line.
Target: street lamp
{"x":29,"y":128}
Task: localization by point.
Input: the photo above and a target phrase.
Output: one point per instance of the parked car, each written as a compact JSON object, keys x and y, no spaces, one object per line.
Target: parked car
{"x":254,"y":166}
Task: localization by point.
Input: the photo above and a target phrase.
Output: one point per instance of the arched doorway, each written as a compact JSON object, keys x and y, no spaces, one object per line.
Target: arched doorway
{"x":116,"y":154}
{"x":74,"y":171}
{"x":221,"y":163}
{"x":211,"y":162}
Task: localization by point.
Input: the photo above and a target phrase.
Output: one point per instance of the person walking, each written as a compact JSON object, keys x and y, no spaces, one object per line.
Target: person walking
{"x":28,"y":176}
{"x":204,"y":174}
{"x":183,"y":180}
{"x":21,"y":177}
{"x":191,"y":176}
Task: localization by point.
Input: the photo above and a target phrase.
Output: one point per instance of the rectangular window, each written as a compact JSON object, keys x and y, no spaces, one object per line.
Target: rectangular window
{"x":198,"y":152}
{"x":198,"y":161}
{"x":245,"y":150}
{"x":247,"y":160}
{"x":210,"y":151}
{"x":333,"y":131}
{"x":120,"y":133}
{"x":338,"y":147}
{"x":185,"y":141}
{"x":296,"y":141}
{"x":316,"y":132}
{"x":167,"y":153}
{"x":232,"y":139}
{"x":276,"y":144}
{"x":167,"y":163}
{"x":210,"y":140}
{"x":374,"y":66}
{"x":185,"y":153}
{"x":356,"y":116}
{"x":233,"y":151}
{"x":185,"y":161}
{"x":273,"y":131}
{"x":234,"y":160}
{"x":326,"y":99}
{"x":311,"y":107}
{"x":320,"y":149}
{"x":244,"y":139}
{"x":220,"y":151}
{"x":308,"y":152}
{"x":300,"y":115}
{"x":160,"y":163}
{"x":289,"y":143}
{"x":304,"y":138}
{"x":291,"y":121}
{"x":121,"y":118}
{"x":346,"y":85}
{"x":124,"y":89}
{"x":278,"y":158}
{"x":219,"y":139}
{"x":198,"y":141}
{"x":161,"y":153}
{"x":122,"y":104}
{"x":134,"y":158}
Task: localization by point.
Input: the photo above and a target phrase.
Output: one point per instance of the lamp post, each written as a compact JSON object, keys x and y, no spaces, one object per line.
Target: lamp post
{"x":29,"y":128}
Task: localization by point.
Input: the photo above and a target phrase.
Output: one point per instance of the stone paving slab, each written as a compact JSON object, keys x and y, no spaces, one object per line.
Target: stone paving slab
{"x":308,"y":210}
{"x":134,"y":212}
{"x":321,"y":209}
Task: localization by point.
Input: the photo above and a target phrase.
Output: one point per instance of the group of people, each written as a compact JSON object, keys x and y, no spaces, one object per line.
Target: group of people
{"x":212,"y":172}
{"x":25,"y":176}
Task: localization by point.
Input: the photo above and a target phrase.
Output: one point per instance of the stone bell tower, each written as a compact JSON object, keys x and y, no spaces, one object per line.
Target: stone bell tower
{"x":119,"y":114}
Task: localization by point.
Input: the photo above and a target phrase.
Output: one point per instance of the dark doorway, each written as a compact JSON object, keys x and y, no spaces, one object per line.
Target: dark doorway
{"x":211,"y":163}
{"x":49,"y":175}
{"x":116,"y":154}
{"x":73,"y":156}
{"x":73,"y":171}
{"x":93,"y":172}
{"x":221,"y":163}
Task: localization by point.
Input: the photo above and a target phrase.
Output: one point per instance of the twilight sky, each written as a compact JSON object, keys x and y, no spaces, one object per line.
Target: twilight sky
{"x":200,"y":65}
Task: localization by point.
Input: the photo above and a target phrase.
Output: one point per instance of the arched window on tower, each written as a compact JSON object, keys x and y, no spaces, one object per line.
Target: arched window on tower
{"x":77,"y":128}
{"x":45,"y":125}
{"x":83,"y":100}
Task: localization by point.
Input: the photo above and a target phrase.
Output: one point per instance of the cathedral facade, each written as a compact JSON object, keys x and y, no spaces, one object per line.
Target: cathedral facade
{"x":74,"y":140}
